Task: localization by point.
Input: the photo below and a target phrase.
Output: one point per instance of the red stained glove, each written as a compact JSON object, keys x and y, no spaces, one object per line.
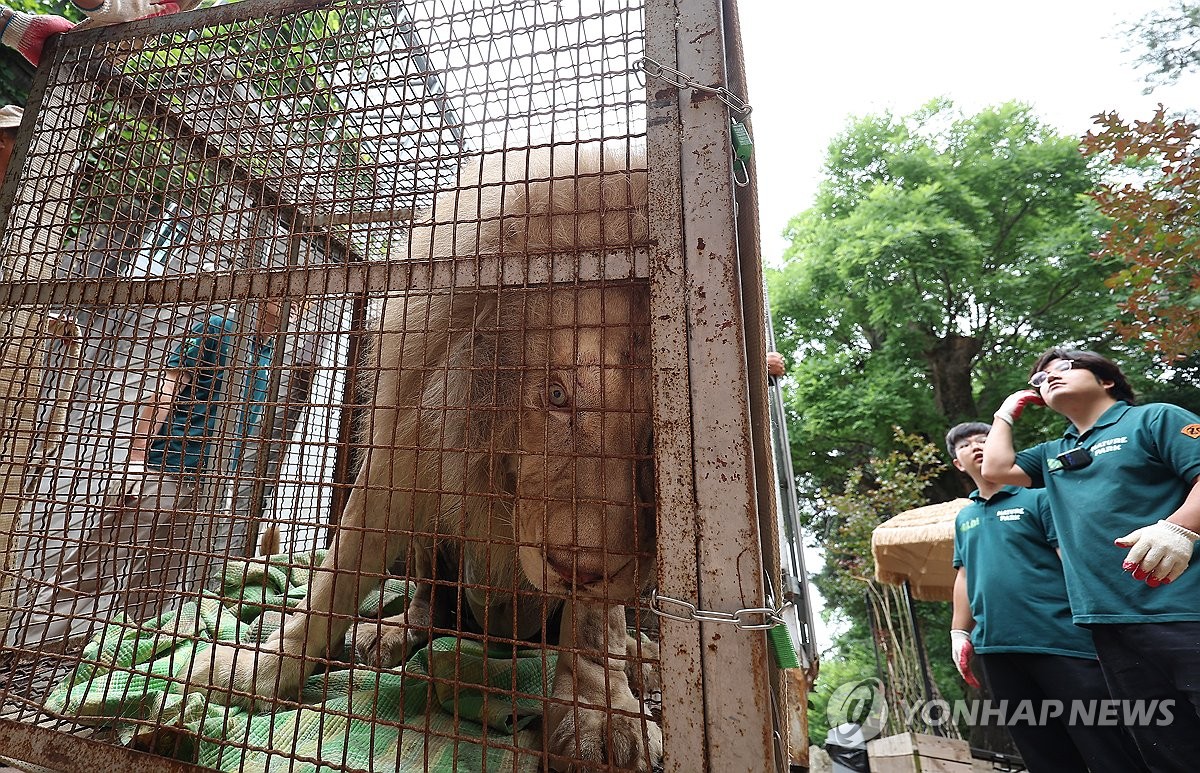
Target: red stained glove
{"x":101,"y":13}
{"x":27,"y":32}
{"x":963,"y":651}
{"x":1011,"y":409}
{"x":1158,"y":553}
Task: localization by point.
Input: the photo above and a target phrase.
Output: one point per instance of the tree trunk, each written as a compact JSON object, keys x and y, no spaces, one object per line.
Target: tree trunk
{"x":950,"y":360}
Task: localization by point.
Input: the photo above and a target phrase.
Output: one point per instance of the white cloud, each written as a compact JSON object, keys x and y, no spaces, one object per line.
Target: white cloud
{"x":810,"y":66}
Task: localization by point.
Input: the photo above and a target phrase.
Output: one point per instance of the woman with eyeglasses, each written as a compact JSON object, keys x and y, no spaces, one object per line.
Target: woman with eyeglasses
{"x":1121,"y":483}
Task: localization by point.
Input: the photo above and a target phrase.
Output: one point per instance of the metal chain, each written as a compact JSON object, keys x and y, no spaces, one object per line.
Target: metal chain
{"x":684,"y":81}
{"x":753,"y":619}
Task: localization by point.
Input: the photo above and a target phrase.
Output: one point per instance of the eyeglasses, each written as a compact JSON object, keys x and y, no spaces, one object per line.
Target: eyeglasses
{"x":1039,"y":378}
{"x":974,"y":440}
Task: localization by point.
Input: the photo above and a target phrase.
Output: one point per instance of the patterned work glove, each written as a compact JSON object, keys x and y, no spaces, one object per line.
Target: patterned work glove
{"x":1011,"y":409}
{"x":1158,"y":553}
{"x":963,"y":651}
{"x":27,"y":32}
{"x":101,"y":13}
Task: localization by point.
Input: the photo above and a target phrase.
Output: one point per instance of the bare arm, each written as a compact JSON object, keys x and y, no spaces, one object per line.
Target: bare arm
{"x":1188,"y":513}
{"x":776,"y":366}
{"x":155,"y":412}
{"x":1000,"y":459}
{"x":961,"y":619}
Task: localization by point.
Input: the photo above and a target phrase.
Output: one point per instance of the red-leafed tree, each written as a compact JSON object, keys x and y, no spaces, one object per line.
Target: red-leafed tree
{"x":1155,"y":231}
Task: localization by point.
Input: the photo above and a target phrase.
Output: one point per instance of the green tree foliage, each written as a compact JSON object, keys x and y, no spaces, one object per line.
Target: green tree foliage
{"x":1169,"y":40}
{"x":853,"y":663}
{"x":942,"y":251}
{"x":882,"y":488}
{"x":885,"y":647}
{"x":1154,"y":237}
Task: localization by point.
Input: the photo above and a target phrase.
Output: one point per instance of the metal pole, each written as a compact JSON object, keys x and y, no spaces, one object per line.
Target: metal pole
{"x":925,"y":680}
{"x":795,"y":575}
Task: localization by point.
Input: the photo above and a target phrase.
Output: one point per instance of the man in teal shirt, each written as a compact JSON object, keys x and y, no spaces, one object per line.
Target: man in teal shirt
{"x":1018,"y":623}
{"x":1121,"y":482}
{"x":152,"y":541}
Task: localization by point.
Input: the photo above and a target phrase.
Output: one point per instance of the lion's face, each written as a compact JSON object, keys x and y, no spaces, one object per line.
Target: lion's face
{"x":584,"y":488}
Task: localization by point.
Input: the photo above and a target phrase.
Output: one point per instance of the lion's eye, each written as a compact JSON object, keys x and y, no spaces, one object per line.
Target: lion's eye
{"x":557,"y":395}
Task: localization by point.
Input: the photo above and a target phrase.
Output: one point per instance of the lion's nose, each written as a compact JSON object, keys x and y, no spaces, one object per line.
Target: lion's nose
{"x":565,"y":565}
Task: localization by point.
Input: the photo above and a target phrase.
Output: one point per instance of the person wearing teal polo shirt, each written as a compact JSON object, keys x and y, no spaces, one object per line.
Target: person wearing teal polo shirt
{"x":152,"y":540}
{"x":1017,"y":625}
{"x":1121,"y":482}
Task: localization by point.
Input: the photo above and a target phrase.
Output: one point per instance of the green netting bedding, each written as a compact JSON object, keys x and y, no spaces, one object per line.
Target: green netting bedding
{"x":450,"y":708}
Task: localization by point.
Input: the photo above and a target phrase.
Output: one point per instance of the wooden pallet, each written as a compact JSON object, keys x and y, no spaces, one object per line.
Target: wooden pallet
{"x":919,"y":753}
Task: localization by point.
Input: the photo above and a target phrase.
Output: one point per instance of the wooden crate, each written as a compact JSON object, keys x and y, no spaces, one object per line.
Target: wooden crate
{"x":919,"y":753}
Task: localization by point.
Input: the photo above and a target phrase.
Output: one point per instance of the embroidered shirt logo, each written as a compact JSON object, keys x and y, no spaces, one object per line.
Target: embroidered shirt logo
{"x":968,"y":525}
{"x":1011,"y":514}
{"x":1191,"y":430}
{"x":1108,"y":446}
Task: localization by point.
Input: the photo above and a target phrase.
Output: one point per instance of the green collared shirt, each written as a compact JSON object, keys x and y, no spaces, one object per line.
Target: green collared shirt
{"x":1014,"y":576}
{"x":1144,"y":459}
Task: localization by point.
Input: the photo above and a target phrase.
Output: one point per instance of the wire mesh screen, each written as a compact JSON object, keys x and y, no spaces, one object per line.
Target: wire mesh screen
{"x":327,"y":347}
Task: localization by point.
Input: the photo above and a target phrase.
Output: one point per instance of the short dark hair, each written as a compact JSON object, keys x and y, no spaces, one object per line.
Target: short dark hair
{"x":1103,"y":368}
{"x":960,"y":432}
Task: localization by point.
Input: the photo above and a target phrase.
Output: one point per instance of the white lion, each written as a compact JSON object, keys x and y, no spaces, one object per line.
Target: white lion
{"x":509,"y":457}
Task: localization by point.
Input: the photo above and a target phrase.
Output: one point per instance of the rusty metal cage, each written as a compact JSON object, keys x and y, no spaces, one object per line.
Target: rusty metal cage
{"x":382,"y":390}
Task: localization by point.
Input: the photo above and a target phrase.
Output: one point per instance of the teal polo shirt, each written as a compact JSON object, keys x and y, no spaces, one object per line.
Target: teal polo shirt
{"x":180,"y":445}
{"x":1014,"y":576}
{"x":1144,"y":460}
{"x":250,"y":413}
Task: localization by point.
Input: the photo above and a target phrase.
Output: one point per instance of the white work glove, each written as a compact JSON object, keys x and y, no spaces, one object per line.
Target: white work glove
{"x":1011,"y":409}
{"x":963,"y":651}
{"x":1159,"y":552}
{"x":27,"y":32}
{"x":126,"y":490}
{"x":101,"y":13}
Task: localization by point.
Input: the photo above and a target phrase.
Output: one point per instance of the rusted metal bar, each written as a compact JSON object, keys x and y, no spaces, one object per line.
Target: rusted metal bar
{"x":685,"y":732}
{"x":755,"y":317}
{"x":358,"y":277}
{"x":731,"y":566}
{"x":65,"y":753}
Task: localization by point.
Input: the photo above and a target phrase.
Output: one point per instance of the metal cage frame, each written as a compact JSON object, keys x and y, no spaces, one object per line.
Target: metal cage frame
{"x":724,"y":704}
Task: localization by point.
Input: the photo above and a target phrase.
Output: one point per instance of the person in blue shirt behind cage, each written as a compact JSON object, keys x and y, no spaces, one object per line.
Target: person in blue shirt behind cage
{"x":153,"y":540}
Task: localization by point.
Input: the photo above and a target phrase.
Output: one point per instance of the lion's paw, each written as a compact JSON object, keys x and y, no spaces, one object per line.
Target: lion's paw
{"x":244,"y":677}
{"x":583,"y":737}
{"x":387,"y":643}
{"x":641,"y":659}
